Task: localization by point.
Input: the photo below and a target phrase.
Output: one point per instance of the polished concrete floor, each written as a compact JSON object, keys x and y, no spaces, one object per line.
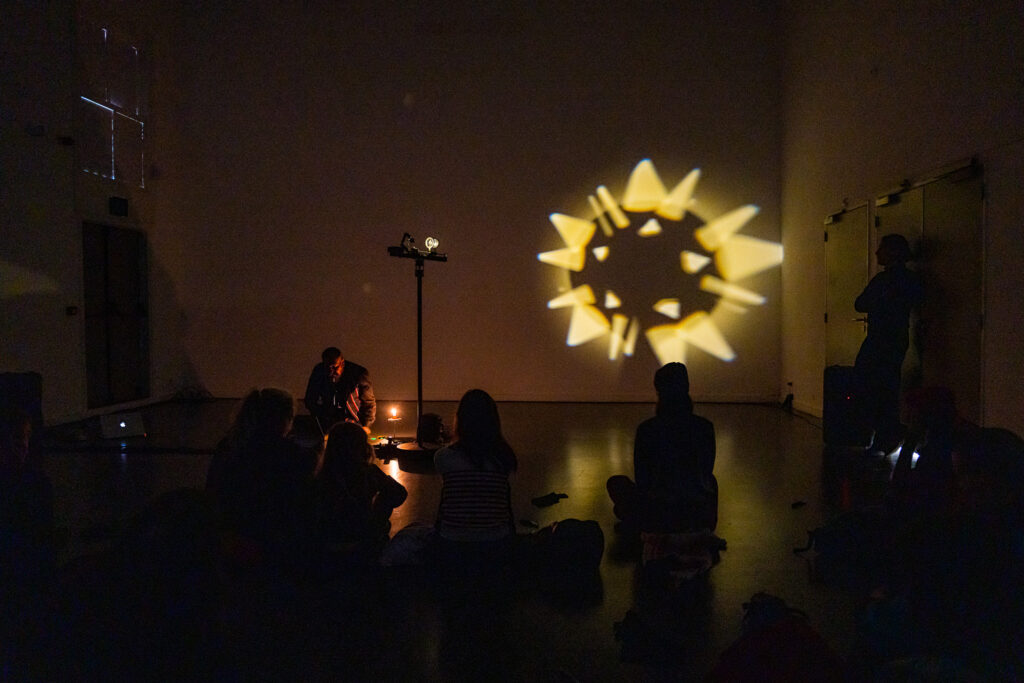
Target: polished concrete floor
{"x":776,"y":483}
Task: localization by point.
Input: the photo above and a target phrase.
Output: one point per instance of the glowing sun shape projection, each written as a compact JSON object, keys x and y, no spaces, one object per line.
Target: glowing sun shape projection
{"x":670,"y":247}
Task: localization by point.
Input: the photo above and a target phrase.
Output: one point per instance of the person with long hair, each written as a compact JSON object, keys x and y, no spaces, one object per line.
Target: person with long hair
{"x":475,"y":514}
{"x":354,"y":498}
{"x":262,"y":480}
{"x":673,"y":461}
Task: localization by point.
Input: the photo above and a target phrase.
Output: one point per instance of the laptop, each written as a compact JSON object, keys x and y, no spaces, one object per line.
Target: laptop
{"x":121,"y":425}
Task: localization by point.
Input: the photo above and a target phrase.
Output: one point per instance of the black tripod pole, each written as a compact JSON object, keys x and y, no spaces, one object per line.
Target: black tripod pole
{"x":406,"y":250}
{"x":419,"y":343}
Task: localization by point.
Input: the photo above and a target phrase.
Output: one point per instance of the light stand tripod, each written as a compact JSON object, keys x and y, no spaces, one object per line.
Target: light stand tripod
{"x":407,"y":250}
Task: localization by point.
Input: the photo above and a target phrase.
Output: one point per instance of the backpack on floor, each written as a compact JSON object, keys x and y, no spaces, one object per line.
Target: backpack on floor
{"x":777,"y":644}
{"x":568,"y":546}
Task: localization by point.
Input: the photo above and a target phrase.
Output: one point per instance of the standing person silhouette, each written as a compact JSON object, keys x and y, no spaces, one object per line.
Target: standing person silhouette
{"x":888,"y":300}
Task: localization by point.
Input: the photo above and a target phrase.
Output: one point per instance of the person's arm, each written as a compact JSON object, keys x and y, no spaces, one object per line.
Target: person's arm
{"x":390,"y":493}
{"x":442,"y":460}
{"x":367,"y":401}
{"x":868,"y":300}
{"x":313,"y":392}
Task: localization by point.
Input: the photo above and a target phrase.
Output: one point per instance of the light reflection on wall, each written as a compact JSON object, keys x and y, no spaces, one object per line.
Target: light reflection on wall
{"x":18,"y":281}
{"x":661,"y":220}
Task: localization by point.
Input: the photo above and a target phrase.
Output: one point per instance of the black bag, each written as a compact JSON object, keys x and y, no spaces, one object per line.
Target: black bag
{"x":841,"y":415}
{"x":431,"y":430}
{"x":569,"y":546}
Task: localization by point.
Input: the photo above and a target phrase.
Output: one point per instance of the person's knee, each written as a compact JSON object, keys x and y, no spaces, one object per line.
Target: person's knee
{"x":620,"y":486}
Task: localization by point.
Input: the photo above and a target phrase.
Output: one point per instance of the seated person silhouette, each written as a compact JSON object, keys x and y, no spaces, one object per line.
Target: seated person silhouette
{"x":675,"y":489}
{"x":263,"y":481}
{"x":475,"y":521}
{"x":354,"y":498}
{"x":340,"y":391}
{"x":952,"y":591}
{"x":923,"y":477}
{"x":26,"y":501}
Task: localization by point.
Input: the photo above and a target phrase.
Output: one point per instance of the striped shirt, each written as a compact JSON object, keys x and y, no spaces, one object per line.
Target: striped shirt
{"x":476,"y":505}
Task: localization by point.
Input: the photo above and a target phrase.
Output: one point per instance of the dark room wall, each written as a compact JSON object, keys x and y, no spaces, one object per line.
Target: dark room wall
{"x":40,"y":233}
{"x":287,"y":145}
{"x":46,"y":197}
{"x":878,"y":93}
{"x":299,"y":140}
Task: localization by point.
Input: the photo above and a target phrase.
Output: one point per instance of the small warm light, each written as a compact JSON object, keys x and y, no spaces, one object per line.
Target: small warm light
{"x":431,"y":243}
{"x":394,"y":420}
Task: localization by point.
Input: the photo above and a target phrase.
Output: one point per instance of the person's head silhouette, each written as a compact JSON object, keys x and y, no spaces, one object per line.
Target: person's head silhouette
{"x":892,"y":249}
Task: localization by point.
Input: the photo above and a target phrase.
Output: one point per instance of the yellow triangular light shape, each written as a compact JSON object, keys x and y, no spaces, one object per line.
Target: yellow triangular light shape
{"x":616,"y":338}
{"x":572,"y":258}
{"x":742,"y":256}
{"x":713,"y":235}
{"x":693,"y":262}
{"x":710,"y":283}
{"x":580,"y":296}
{"x":675,"y":204}
{"x":669,"y":307}
{"x":634,"y":331}
{"x":611,"y":300}
{"x":644,"y":191}
{"x":602,"y":220}
{"x":601,"y":253}
{"x":650,"y":228}
{"x":731,"y":307}
{"x":576,"y":232}
{"x":701,"y":331}
{"x":586,"y":323}
{"x":669,"y":341}
{"x":668,"y":345}
{"x":611,"y":206}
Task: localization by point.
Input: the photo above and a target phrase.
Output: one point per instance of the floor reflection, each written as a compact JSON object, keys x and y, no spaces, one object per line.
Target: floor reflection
{"x":767,"y":460}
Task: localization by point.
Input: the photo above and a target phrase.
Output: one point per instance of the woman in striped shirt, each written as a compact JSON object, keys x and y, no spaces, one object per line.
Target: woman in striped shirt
{"x":475,"y":516}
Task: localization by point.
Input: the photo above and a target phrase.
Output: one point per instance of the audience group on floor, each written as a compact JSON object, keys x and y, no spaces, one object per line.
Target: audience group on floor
{"x":939,"y":561}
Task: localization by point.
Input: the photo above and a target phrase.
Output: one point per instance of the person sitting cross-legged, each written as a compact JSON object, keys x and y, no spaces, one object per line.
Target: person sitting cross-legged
{"x":675,"y":489}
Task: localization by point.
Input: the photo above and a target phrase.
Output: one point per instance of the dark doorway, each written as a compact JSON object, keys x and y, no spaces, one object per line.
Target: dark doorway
{"x":116,"y":315}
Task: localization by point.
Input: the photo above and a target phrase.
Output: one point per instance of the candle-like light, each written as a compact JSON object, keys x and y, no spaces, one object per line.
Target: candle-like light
{"x":394,"y":419}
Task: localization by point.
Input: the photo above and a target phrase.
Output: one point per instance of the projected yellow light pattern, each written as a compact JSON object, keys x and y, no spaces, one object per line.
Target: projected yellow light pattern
{"x":735,"y":257}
